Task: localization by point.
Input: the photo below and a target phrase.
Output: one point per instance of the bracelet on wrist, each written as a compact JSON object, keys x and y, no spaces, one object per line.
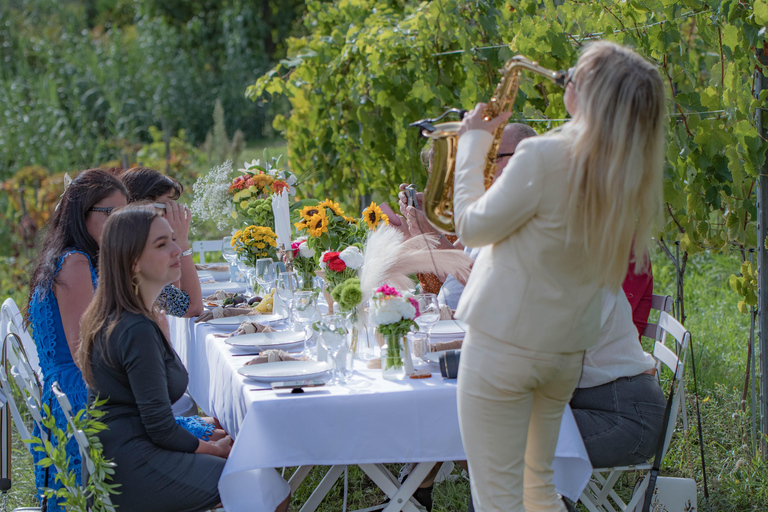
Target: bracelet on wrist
{"x":188,"y":252}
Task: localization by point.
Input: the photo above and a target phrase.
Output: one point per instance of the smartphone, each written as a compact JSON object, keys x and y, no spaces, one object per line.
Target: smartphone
{"x":410,"y":194}
{"x":298,"y":384}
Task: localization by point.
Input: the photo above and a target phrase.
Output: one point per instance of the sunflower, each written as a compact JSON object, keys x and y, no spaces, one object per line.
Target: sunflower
{"x":373,"y":216}
{"x":300,"y":225}
{"x":318,"y":224}
{"x":334,"y":207}
{"x":310,"y":211}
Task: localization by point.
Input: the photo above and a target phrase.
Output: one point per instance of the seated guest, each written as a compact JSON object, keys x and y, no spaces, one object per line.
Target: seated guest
{"x":618,"y":403}
{"x":61,"y":287}
{"x":127,"y":360}
{"x":184,"y":297}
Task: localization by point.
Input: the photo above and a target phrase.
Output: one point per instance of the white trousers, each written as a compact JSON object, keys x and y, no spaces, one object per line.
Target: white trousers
{"x":510,"y":402}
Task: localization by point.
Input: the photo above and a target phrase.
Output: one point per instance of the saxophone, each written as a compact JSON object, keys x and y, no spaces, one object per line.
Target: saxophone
{"x":438,"y":195}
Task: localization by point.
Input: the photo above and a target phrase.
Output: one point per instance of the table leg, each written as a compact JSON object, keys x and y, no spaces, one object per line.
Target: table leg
{"x":322,"y":489}
{"x":297,"y":478}
{"x":399,"y":495}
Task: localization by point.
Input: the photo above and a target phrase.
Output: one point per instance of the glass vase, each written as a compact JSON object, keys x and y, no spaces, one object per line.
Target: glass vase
{"x":396,"y":361}
{"x":307,"y":281}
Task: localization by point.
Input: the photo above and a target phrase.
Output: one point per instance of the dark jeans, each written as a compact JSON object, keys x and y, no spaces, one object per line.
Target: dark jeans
{"x":620,"y":421}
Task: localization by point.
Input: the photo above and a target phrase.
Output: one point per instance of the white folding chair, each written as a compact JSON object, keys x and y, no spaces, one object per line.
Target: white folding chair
{"x":600,"y":488}
{"x":12,"y":321}
{"x":204,"y":246}
{"x":88,"y":466}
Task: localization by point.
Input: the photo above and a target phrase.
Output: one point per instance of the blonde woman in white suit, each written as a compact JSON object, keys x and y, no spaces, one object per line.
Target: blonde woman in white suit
{"x":557,"y":226}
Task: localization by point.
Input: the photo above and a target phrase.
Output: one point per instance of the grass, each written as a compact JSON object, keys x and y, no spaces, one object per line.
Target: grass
{"x":738,"y":480}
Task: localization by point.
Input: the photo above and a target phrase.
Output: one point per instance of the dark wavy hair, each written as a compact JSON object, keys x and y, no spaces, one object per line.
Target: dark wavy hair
{"x":67,"y":227}
{"x":145,"y":184}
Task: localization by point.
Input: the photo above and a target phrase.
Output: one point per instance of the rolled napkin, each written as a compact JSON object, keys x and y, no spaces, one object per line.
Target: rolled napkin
{"x":446,"y":313}
{"x":219,"y":295}
{"x":446,"y":345}
{"x":248,"y":327}
{"x":214,"y":267}
{"x":274,"y":356}
{"x":221,"y":312}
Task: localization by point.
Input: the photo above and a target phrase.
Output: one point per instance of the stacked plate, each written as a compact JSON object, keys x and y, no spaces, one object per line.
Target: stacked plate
{"x":286,"y":371}
{"x":260,"y":341}
{"x":447,"y":330}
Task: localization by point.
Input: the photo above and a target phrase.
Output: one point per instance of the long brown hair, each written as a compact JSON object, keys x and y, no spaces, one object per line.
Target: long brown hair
{"x":125,"y":236}
{"x":145,"y":184}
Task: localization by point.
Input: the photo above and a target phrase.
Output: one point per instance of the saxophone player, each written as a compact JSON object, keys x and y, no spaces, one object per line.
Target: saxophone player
{"x":556,"y":226}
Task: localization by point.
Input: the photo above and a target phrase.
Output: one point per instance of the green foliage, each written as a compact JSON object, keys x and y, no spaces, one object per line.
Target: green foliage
{"x":97,"y":490}
{"x":217,"y":144}
{"x":368,"y":68}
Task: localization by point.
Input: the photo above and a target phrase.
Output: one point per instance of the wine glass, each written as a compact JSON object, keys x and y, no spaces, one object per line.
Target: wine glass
{"x":306,"y":313}
{"x":333,"y":336}
{"x":429,"y":310}
{"x":247,"y":270}
{"x":229,"y":252}
{"x":265,"y":273}
{"x":286,"y":286}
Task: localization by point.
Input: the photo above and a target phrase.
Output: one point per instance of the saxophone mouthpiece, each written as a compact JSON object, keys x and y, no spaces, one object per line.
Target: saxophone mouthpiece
{"x":428,"y":125}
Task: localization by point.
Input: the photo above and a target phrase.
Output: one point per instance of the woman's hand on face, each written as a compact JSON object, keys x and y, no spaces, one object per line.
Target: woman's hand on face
{"x":474,"y":120}
{"x":178,"y":216}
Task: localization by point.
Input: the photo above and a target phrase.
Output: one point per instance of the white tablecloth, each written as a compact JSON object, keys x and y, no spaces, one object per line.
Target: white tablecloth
{"x":414,"y":420}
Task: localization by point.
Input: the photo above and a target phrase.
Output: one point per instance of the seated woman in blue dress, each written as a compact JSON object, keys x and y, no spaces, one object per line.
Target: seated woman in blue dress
{"x":184,"y":297}
{"x":61,"y":287}
{"x":127,"y":360}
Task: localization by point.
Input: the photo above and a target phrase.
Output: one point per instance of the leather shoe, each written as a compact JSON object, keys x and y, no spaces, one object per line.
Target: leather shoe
{"x":424,"y":496}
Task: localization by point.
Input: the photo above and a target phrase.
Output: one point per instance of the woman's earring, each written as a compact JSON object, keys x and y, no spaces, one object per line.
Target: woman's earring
{"x":135,"y":282}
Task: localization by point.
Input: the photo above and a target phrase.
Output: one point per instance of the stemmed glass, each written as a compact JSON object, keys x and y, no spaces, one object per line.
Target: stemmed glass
{"x":286,"y":286}
{"x":333,"y":336}
{"x":429,"y":310}
{"x":266,"y":273}
{"x":228,"y":251}
{"x":248,"y":272}
{"x":306,"y":313}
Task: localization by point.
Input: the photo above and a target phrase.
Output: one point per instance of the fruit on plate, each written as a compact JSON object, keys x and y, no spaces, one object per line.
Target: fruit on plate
{"x":265,"y":306}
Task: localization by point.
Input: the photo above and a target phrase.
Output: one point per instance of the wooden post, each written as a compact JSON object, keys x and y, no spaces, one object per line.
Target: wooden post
{"x":761,"y":82}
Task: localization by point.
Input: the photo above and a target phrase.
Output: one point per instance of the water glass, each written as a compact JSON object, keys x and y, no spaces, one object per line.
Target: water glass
{"x":266,"y":273}
{"x":333,"y":337}
{"x":429,"y":310}
{"x":305,"y":305}
{"x":248,"y":272}
{"x":229,"y":254}
{"x":286,"y":286}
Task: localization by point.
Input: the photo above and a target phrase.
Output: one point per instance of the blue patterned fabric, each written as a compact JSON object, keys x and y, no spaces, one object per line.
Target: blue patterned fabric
{"x":174,"y":301}
{"x":56,"y":364}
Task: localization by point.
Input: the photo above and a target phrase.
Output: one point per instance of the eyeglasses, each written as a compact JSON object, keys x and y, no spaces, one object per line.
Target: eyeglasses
{"x":569,"y":78}
{"x":503,"y":155}
{"x":105,"y":209}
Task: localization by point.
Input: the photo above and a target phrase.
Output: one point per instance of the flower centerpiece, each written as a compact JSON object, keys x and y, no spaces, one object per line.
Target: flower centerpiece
{"x":251,"y":191}
{"x":374,"y":217}
{"x":348,"y":295}
{"x":302,"y":258}
{"x":327,"y":227}
{"x":254,"y":242}
{"x":393,"y":315}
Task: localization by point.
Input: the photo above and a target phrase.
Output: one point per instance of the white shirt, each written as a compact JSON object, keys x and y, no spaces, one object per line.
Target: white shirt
{"x":618,"y":352}
{"x":450,"y":291}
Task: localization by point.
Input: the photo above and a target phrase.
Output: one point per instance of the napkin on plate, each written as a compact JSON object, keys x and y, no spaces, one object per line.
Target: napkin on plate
{"x":446,"y":345}
{"x":219,"y":295}
{"x":273,"y":356}
{"x":248,"y":327}
{"x":222,"y":312}
{"x":446,"y":313}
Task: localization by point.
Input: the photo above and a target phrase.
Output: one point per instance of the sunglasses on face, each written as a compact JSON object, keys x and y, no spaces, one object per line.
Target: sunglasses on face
{"x":105,"y":209}
{"x":569,"y":78}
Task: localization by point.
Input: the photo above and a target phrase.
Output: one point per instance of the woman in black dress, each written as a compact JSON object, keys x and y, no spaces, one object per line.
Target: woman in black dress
{"x":126,"y":358}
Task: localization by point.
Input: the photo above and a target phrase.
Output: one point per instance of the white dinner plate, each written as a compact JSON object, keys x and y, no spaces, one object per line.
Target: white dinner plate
{"x":449,"y":327}
{"x":433,"y":357}
{"x":285,"y":370}
{"x":229,"y":287}
{"x":237,"y":320}
{"x":278,"y":340}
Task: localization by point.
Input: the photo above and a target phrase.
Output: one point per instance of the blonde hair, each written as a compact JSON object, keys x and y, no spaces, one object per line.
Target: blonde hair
{"x":615,"y":181}
{"x":122,"y":243}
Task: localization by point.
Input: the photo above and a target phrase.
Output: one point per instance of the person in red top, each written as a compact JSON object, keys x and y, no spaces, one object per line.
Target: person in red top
{"x":639,"y":291}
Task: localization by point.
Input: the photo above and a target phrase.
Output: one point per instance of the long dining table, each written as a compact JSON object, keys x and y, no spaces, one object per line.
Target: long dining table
{"x":374,"y":422}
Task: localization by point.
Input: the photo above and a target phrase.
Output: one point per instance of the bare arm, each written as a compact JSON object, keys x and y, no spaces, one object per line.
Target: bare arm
{"x":178,"y":217}
{"x":73,"y":290}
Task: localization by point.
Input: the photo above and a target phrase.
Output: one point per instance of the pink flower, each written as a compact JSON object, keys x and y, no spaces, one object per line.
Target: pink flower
{"x":415,"y":305}
{"x":388,"y":290}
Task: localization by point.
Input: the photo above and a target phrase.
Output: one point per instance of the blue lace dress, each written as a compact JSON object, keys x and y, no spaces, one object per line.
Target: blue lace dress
{"x":56,"y":364}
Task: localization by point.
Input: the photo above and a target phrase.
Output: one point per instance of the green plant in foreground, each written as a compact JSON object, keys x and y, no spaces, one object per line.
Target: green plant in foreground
{"x":97,"y":490}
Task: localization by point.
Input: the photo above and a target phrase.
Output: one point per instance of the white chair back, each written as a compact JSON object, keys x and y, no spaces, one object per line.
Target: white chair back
{"x":12,"y":321}
{"x":659,"y":303}
{"x":16,"y":371}
{"x":204,"y":246}
{"x":81,"y":438}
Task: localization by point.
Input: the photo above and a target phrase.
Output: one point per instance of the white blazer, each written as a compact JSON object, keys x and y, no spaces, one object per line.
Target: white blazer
{"x":527,"y":286}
